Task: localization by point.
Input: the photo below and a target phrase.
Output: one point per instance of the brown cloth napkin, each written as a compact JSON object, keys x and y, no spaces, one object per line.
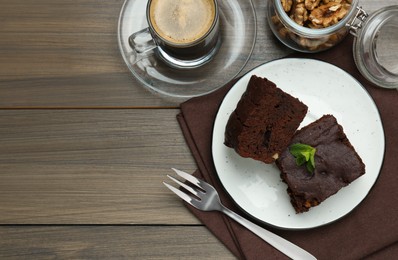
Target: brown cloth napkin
{"x":369,"y":231}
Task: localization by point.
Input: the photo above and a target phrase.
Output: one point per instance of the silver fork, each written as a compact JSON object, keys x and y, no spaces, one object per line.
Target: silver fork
{"x":206,"y":198}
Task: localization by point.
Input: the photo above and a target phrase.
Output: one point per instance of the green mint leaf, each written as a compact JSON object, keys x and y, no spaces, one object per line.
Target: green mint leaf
{"x":304,"y":154}
{"x":310,"y":167}
{"x":300,"y":160}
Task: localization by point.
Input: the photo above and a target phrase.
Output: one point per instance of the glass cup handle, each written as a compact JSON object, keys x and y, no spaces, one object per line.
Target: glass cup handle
{"x":142,"y":41}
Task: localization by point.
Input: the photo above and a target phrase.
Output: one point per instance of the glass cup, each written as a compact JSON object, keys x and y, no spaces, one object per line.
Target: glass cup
{"x":182,"y":33}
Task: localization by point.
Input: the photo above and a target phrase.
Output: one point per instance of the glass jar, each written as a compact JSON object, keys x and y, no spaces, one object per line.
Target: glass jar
{"x":375,"y":44}
{"x":376,"y":47}
{"x":305,"y":39}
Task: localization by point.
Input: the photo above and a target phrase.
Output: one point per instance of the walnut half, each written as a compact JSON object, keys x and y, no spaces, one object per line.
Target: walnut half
{"x":287,"y":5}
{"x":311,"y":4}
{"x":299,"y":13}
{"x":328,"y":14}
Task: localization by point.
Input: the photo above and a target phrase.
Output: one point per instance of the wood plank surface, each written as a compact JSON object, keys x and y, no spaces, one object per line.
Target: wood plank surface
{"x":65,"y":54}
{"x":90,"y":166}
{"x":110,"y":242}
{"x":84,"y":148}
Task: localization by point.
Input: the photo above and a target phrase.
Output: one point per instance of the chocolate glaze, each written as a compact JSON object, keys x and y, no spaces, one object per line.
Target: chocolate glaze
{"x":336,"y":164}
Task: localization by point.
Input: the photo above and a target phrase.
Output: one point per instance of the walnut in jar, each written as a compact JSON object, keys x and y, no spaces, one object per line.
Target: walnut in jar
{"x":313,"y":14}
{"x":328,"y":1}
{"x":328,"y":14}
{"x":311,"y":4}
{"x":316,"y":14}
{"x":299,"y":13}
{"x":287,"y":5}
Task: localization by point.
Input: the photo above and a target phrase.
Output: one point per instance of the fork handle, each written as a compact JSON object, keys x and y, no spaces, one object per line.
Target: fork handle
{"x":284,"y":246}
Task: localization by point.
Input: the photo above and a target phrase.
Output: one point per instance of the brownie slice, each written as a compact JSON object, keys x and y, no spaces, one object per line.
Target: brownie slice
{"x":337,"y":164}
{"x":264,"y":121}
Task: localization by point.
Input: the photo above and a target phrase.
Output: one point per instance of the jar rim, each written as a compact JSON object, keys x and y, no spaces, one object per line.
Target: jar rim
{"x":309,"y":32}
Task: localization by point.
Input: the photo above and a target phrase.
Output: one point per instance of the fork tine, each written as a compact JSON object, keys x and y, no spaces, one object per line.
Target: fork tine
{"x":188,"y":188}
{"x":179,"y":193}
{"x":189,"y":178}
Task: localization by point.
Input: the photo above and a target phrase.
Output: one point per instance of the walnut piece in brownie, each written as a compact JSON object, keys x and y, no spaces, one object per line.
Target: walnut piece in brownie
{"x":337,"y":164}
{"x":264,"y":121}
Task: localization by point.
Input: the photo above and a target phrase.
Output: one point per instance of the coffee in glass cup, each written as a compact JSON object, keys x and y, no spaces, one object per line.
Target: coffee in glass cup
{"x":183,"y":33}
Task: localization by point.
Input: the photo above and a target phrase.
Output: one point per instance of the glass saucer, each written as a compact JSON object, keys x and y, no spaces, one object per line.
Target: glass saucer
{"x":238,"y":36}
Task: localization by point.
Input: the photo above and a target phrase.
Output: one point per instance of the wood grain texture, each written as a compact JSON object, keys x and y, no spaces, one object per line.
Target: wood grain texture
{"x":84,"y":148}
{"x":65,"y":54}
{"x":90,"y":166}
{"x":110,"y":242}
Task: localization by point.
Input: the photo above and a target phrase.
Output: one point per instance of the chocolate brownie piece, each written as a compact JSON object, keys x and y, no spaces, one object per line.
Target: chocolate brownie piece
{"x":264,"y":121}
{"x":337,"y":164}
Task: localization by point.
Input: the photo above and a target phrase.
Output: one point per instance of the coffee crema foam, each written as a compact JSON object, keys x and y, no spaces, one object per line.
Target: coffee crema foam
{"x":182,"y":21}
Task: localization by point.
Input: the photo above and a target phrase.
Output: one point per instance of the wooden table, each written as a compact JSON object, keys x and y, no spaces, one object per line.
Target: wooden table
{"x":84,"y":148}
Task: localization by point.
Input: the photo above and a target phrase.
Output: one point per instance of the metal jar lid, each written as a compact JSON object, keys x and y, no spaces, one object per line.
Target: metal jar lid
{"x":376,"y":45}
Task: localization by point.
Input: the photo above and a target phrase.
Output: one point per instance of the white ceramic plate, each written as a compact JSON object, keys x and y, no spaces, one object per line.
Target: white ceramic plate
{"x":257,"y":188}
